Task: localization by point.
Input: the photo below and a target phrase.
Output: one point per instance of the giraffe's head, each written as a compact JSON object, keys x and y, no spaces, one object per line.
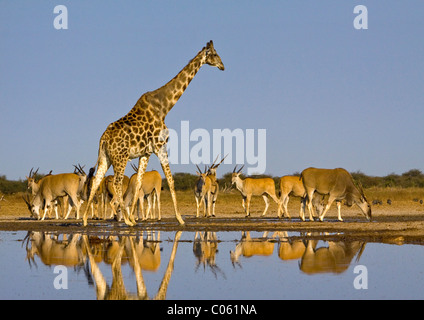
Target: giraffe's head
{"x":212,"y":58}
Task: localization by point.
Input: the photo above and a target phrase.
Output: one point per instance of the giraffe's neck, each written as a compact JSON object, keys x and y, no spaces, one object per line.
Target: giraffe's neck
{"x":164,"y":98}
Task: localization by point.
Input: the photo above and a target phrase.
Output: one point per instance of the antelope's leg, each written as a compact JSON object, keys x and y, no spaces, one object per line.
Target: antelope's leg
{"x":265,"y":197}
{"x":339,"y":204}
{"x":327,"y":207}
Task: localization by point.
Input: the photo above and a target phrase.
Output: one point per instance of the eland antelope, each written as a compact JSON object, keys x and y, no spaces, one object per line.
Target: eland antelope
{"x":59,"y":185}
{"x":254,"y":187}
{"x":339,"y":185}
{"x":150,"y":189}
{"x":203,"y":193}
{"x":293,"y":186}
{"x":109,"y":192}
{"x":34,"y":186}
{"x":206,"y":189}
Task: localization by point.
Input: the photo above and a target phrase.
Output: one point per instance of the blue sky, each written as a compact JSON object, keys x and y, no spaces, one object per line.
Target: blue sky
{"x":327,"y":94}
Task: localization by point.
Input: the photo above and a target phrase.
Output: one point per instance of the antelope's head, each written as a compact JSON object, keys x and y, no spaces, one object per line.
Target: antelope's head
{"x":363,"y":203}
{"x":31,"y":178}
{"x":236,"y":174}
{"x":214,"y":166}
{"x":202,"y":175}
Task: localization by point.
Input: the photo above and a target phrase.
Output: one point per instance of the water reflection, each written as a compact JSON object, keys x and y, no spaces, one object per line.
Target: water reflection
{"x":205,"y":248}
{"x":333,"y":257}
{"x":77,"y":250}
{"x":142,"y":252}
{"x":248,"y":247}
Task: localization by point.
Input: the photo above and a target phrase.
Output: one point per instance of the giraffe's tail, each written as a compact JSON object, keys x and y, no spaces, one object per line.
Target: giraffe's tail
{"x":100,"y":154}
{"x":89,"y":181}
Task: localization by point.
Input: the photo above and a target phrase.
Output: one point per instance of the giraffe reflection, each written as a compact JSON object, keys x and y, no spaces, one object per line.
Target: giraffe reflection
{"x":117,"y":290}
{"x":88,"y":252}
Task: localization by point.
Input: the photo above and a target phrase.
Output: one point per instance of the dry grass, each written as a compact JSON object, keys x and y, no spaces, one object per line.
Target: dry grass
{"x":229,"y":204}
{"x":394,"y":194}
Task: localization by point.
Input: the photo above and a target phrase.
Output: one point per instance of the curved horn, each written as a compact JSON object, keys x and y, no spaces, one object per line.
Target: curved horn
{"x":134,"y":167}
{"x":240,"y":169}
{"x":32,"y":174}
{"x":200,"y":171}
{"x":80,"y":169}
{"x":214,"y":166}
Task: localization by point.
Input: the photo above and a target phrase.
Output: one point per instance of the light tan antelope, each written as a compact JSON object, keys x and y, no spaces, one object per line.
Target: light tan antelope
{"x":249,"y":187}
{"x":206,"y":192}
{"x":293,"y":186}
{"x":59,"y":185}
{"x":150,"y":189}
{"x":339,"y":185}
{"x":214,"y":183}
{"x":108,"y":195}
{"x":249,"y":247}
{"x":34,"y":186}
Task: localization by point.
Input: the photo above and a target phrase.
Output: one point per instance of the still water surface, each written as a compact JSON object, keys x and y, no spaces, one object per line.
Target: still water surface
{"x":214,"y":265}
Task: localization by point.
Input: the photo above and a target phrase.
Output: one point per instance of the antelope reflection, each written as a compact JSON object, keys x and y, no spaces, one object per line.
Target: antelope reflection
{"x":249,"y":247}
{"x":79,"y":250}
{"x":53,"y":251}
{"x":205,"y":248}
{"x":289,"y":248}
{"x":334,"y":258}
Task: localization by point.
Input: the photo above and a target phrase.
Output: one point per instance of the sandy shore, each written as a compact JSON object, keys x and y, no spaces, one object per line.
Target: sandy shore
{"x":401,"y":222}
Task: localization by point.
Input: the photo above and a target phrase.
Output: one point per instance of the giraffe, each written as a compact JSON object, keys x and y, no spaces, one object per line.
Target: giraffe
{"x":143,"y":131}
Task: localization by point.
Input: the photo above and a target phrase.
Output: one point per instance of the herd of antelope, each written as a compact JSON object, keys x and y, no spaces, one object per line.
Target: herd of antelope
{"x":317,"y":189}
{"x":56,"y":190}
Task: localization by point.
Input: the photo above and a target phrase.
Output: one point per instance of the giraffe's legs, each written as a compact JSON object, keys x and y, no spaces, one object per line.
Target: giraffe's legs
{"x":103,"y":165}
{"x":142,"y":165}
{"x":118,"y":178}
{"x":163,"y":158}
